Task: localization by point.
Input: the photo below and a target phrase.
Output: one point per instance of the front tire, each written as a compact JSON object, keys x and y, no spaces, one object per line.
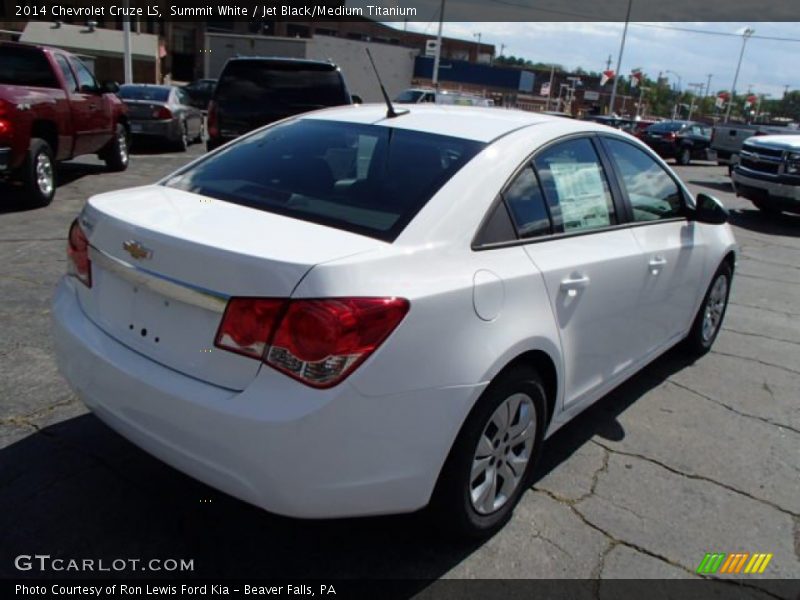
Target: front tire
{"x":492,"y":461}
{"x":708,"y":321}
{"x":38,"y":174}
{"x":117,"y":154}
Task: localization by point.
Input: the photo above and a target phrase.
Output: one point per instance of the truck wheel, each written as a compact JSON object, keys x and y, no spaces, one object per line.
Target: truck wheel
{"x":39,"y":174}
{"x":116,"y":155}
{"x":684,"y":156}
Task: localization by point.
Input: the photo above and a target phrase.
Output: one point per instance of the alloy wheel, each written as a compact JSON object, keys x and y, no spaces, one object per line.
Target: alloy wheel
{"x":715,"y":307}
{"x":44,"y":174}
{"x":502,"y":454}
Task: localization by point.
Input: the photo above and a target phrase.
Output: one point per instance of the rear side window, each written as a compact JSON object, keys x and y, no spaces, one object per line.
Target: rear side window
{"x":252,"y":83}
{"x":69,"y":77}
{"x":367,"y":179}
{"x":26,"y":66}
{"x":575,"y":186}
{"x":527,"y":206}
{"x":652,"y":193}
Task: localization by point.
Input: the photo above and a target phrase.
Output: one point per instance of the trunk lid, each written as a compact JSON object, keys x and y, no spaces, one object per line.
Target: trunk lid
{"x":165,"y":262}
{"x":141,"y":110}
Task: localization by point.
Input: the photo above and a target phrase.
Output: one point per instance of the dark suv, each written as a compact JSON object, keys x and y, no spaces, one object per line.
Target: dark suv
{"x":252,"y":92}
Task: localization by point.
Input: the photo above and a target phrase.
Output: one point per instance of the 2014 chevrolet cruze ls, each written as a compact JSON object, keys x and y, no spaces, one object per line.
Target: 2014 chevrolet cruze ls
{"x":349,"y":314}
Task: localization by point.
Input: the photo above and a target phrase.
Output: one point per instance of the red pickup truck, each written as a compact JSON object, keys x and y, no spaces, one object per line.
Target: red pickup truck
{"x":52,"y":109}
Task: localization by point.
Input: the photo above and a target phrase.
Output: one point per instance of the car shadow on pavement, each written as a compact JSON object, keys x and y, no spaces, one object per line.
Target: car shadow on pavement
{"x":760,"y":222}
{"x":14,"y":196}
{"x":76,"y":489}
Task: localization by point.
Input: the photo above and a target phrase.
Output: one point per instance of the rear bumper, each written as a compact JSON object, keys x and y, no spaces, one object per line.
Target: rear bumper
{"x":278,"y":444}
{"x":169,"y":129}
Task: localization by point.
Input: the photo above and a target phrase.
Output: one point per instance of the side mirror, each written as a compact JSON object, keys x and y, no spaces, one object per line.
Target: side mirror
{"x":110,"y":87}
{"x":710,"y":210}
{"x":356,"y":99}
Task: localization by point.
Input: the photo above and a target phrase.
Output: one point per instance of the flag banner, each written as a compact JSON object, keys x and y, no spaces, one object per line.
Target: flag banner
{"x":607,"y":76}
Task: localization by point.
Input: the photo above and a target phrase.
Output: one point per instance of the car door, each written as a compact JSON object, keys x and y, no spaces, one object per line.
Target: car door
{"x":95,"y":118}
{"x":588,"y":260}
{"x":673,"y":249}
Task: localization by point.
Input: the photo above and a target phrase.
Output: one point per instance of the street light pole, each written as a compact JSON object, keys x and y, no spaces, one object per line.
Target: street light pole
{"x":745,"y":36}
{"x":619,"y":58}
{"x":437,"y":57}
{"x":127,"y":59}
{"x":477,"y":46}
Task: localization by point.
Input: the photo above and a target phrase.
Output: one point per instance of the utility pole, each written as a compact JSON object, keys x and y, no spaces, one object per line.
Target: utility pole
{"x":745,"y":36}
{"x":708,"y":85}
{"x":437,"y":57}
{"x":608,"y":63}
{"x":127,"y":59}
{"x":550,"y":87}
{"x":619,"y":58}
{"x":477,"y":46}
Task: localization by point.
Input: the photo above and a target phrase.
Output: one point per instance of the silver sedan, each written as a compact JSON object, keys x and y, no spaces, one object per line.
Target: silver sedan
{"x":163,"y":112}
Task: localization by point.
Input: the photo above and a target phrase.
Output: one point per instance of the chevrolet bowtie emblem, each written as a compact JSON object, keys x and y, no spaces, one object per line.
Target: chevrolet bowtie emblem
{"x":137,"y":250}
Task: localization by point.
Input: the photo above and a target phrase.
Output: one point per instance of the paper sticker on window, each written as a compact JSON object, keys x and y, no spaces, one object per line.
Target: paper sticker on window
{"x":582,"y":195}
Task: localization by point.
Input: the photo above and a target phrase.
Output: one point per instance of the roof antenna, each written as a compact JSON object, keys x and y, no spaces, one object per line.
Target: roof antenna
{"x":391,"y":113}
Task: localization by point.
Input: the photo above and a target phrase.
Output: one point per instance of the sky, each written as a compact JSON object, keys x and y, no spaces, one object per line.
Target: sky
{"x":768,"y":65}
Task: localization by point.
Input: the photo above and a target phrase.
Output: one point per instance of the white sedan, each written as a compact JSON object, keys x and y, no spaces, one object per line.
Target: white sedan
{"x":347,"y":313}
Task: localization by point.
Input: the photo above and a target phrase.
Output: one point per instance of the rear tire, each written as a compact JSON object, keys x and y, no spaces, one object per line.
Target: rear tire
{"x":117,"y":153}
{"x":38,"y":174}
{"x":491,"y":464}
{"x":684,"y":156}
{"x":708,"y":321}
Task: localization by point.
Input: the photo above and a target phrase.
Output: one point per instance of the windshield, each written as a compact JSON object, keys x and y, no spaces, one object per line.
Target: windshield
{"x":253,"y":83}
{"x":367,"y":179}
{"x":143,"y":92}
{"x":667,"y":126}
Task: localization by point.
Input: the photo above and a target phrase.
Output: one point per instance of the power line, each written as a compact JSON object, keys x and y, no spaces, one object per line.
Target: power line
{"x":717,"y":33}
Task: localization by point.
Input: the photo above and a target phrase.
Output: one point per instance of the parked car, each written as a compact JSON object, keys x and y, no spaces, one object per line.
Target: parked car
{"x":727,"y":138}
{"x":768,"y":173}
{"x":637,"y":127}
{"x":423,"y":95}
{"x":162,"y":112}
{"x":200,"y":92}
{"x":681,"y":140}
{"x":52,"y":109}
{"x":252,"y":92}
{"x":348,"y":314}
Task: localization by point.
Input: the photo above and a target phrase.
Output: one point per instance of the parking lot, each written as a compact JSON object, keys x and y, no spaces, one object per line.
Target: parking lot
{"x":684,"y":459}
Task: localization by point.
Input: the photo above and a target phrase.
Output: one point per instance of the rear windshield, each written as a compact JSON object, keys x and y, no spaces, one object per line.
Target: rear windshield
{"x":277,"y":85}
{"x":25,"y":66}
{"x":668,"y":126}
{"x":366,"y":179}
{"x":141,"y":92}
{"x":409,"y":96}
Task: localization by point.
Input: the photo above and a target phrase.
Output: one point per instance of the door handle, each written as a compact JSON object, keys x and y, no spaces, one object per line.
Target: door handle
{"x":571,"y":285}
{"x":656,"y":263}
{"x":94,"y":107}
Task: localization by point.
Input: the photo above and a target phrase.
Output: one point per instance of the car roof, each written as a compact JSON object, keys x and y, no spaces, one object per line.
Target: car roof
{"x":482,"y":124}
{"x":283,"y":60}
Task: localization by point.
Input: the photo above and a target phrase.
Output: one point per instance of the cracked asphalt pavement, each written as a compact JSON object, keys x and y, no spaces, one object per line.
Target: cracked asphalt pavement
{"x":683,"y":459}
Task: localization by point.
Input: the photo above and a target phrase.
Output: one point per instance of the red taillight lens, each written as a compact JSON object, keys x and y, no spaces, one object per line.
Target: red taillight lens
{"x":318,"y":342}
{"x":78,"y":263}
{"x":671,"y":136}
{"x":248,"y":324}
{"x":162,"y":113}
{"x":5,"y":128}
{"x":211,"y":125}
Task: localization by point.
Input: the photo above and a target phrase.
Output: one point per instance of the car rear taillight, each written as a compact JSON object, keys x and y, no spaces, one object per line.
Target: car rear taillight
{"x":5,"y":122}
{"x":670,"y":136}
{"x":162,"y":113}
{"x":318,"y":342}
{"x":211,"y":126}
{"x":78,"y":263}
{"x":247,"y":325}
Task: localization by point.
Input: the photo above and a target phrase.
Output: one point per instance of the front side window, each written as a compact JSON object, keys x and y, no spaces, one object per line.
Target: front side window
{"x":652,"y":193}
{"x":575,"y":186}
{"x":368,"y":179}
{"x":85,"y":77}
